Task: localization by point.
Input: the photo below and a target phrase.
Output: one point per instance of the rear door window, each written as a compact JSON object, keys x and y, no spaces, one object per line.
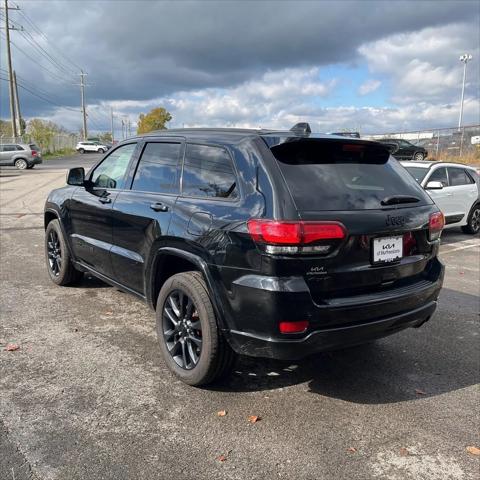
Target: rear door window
{"x":157,"y":169}
{"x":336,"y":175}
{"x":208,"y":172}
{"x":457,"y":177}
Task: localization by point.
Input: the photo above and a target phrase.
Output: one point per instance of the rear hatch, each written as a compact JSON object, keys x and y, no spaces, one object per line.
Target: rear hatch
{"x":384,"y":211}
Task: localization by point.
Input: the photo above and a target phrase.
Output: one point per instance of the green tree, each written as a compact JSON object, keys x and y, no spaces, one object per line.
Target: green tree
{"x":105,"y":137}
{"x":154,"y":120}
{"x":5,"y":128}
{"x":43,"y":132}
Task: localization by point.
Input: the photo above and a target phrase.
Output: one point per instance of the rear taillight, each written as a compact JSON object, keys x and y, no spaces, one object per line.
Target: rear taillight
{"x":435,"y":225}
{"x":34,"y":153}
{"x":296,"y":237}
{"x":293,"y":327}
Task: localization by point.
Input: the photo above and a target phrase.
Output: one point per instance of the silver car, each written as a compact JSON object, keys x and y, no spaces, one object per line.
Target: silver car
{"x":20,"y":155}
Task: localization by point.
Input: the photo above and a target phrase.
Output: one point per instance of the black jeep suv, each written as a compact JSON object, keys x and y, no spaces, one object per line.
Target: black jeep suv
{"x":265,"y":243}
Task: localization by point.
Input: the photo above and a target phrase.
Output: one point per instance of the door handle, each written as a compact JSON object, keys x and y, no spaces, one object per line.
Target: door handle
{"x":105,"y":200}
{"x":159,"y":207}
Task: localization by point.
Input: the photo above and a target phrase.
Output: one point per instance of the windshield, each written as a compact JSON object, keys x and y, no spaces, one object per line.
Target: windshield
{"x":418,"y":173}
{"x":337,"y":175}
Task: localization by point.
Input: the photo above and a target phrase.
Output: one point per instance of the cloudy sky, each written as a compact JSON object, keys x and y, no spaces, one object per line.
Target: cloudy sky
{"x":370,"y":66}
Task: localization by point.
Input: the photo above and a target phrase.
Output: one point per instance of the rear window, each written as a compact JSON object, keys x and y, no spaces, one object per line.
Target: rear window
{"x":337,"y":175}
{"x":418,"y":173}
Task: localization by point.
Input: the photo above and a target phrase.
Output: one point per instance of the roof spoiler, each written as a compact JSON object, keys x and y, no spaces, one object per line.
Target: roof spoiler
{"x":301,"y":128}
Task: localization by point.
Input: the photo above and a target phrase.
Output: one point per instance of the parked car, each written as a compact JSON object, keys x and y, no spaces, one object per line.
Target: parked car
{"x":405,"y":150}
{"x":475,"y":140}
{"x":85,"y":147}
{"x":266,"y":243}
{"x":21,"y":155}
{"x":455,"y":188}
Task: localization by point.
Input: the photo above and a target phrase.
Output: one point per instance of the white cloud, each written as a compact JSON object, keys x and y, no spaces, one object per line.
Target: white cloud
{"x":424,"y":65}
{"x":369,"y":86}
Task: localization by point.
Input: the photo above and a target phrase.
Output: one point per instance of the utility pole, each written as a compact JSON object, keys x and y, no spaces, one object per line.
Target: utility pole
{"x":123,"y":132}
{"x":111,"y":120}
{"x":17,"y":104}
{"x":465,"y":58}
{"x":84,"y":112}
{"x":10,"y":71}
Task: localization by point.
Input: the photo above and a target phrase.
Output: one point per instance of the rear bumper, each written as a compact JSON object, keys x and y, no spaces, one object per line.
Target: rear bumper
{"x":36,"y":161}
{"x":261,"y":305}
{"x":329,"y":339}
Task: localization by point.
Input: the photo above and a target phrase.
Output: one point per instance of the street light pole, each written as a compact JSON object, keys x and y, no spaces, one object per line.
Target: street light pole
{"x":465,"y":58}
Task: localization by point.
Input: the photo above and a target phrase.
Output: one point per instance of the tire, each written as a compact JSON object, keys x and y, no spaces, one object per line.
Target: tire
{"x":214,"y":356}
{"x":101,"y":150}
{"x":81,"y":150}
{"x":57,"y":257}
{"x":21,"y":164}
{"x":419,"y":156}
{"x":473,"y":222}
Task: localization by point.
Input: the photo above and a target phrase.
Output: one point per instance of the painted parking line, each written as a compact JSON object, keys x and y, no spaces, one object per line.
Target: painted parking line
{"x":463,"y":247}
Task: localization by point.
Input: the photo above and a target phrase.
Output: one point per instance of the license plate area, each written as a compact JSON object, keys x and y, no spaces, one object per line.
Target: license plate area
{"x":387,"y":249}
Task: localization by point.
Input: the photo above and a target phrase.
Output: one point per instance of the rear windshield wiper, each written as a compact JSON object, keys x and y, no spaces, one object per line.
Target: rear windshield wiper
{"x":397,"y":199}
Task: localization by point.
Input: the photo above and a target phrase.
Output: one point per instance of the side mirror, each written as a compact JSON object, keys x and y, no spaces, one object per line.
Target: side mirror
{"x":76,"y":177}
{"x":434,"y":186}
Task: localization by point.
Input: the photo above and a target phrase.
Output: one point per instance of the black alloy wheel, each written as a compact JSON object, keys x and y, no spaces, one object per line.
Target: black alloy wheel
{"x":54,"y":252}
{"x":182,"y":329}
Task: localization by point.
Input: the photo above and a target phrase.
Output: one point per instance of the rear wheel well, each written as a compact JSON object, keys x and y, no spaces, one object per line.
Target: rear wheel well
{"x":167,"y":266}
{"x":48,"y":217}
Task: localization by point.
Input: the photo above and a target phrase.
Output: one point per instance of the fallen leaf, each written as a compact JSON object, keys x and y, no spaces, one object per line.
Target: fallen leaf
{"x":420,"y":392}
{"x":404,"y":452}
{"x":108,"y":312}
{"x":473,"y":450}
{"x":351,"y":449}
{"x":254,"y":419}
{"x":222,"y":458}
{"x":222,"y":413}
{"x":11,"y":347}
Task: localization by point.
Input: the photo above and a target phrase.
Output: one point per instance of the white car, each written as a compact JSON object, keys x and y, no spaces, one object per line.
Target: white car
{"x":87,"y":146}
{"x":455,"y":188}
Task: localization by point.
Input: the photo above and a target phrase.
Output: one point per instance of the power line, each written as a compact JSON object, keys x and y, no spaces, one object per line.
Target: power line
{"x":63,"y":80}
{"x":28,"y":37}
{"x":39,"y":31}
{"x":41,"y":96}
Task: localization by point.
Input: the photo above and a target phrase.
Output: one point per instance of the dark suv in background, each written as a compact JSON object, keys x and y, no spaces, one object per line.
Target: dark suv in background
{"x":403,"y":150}
{"x":265,"y":243}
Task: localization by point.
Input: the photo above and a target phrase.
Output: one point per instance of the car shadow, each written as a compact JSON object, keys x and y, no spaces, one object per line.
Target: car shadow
{"x":454,"y":235}
{"x":440,"y":357}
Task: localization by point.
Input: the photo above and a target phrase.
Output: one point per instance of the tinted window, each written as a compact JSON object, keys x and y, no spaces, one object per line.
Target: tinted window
{"x":327,"y":175}
{"x":18,"y":147}
{"x":9,"y":148}
{"x":208,"y":172}
{"x":111,"y":172}
{"x":157,"y":169}
{"x":457,"y":176}
{"x":418,"y":173}
{"x":439,"y":175}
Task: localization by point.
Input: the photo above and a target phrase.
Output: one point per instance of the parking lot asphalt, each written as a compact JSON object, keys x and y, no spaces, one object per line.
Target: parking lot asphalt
{"x":87,"y":395}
